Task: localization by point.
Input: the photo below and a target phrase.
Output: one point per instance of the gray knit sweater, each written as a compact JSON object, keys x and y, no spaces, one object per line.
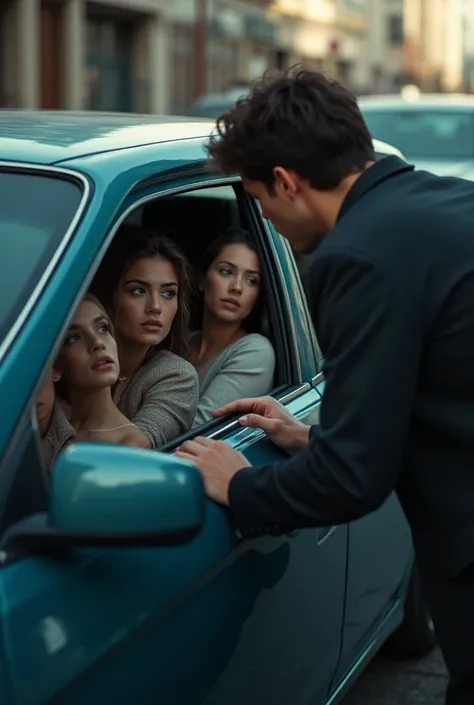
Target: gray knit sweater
{"x":243,"y":369}
{"x":162,"y":397}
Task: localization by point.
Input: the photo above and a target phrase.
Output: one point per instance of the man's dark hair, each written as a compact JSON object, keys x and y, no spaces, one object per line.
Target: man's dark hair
{"x":301,"y":121}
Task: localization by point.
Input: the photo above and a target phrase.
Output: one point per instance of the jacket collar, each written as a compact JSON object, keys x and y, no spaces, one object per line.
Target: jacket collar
{"x":374,"y":175}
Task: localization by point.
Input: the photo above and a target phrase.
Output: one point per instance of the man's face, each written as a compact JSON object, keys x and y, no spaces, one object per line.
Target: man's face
{"x":290,"y":210}
{"x":45,"y":401}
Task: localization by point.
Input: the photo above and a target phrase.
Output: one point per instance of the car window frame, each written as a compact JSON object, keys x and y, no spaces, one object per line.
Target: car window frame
{"x":216,"y":428}
{"x":86,"y":188}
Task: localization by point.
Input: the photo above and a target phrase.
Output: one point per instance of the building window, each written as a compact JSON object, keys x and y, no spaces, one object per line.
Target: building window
{"x":395,"y":30}
{"x":109,"y":65}
{"x":183,"y":69}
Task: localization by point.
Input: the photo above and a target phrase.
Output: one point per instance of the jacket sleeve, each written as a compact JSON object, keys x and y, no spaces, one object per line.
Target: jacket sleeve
{"x":370,"y":330}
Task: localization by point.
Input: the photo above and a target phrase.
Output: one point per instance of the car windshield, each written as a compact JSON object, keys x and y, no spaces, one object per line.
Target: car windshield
{"x":424,"y":134}
{"x":35,"y":212}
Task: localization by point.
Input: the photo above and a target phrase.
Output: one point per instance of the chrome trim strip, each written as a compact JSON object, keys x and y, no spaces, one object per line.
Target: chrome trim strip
{"x":30,"y":304}
{"x":285,"y":399}
{"x":326,"y":536}
{"x":289,"y":396}
{"x":285,"y":291}
{"x":317,"y":379}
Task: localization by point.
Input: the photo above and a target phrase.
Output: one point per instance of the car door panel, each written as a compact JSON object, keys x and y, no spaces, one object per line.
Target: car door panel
{"x":380,"y":554}
{"x":292,"y":661}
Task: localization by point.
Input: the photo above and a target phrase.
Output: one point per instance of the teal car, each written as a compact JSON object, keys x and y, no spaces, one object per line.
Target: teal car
{"x":119,"y":580}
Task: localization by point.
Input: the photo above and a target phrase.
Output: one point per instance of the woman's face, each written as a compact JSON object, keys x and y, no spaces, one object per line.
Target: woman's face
{"x":232,"y":283}
{"x":89,"y":353}
{"x":146,"y":302}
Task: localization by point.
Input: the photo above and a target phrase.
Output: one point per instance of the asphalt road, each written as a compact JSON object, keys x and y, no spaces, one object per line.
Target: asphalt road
{"x":414,"y":683}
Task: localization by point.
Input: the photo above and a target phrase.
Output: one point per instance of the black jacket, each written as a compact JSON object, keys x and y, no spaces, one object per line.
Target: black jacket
{"x":392,"y":300}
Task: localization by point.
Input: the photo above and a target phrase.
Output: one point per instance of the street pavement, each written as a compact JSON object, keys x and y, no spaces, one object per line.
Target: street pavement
{"x":401,"y":683}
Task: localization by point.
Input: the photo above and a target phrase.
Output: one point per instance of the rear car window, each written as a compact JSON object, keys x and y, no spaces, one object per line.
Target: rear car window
{"x":424,"y":134}
{"x":35,"y":213}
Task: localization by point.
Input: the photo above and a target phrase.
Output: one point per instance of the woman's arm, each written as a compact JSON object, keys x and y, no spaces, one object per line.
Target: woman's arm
{"x":169,"y":402}
{"x":247,"y":372}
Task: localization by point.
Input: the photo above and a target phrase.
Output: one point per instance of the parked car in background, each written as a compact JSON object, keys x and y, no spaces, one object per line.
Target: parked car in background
{"x":119,"y":580}
{"x":434,"y":132}
{"x":214,"y":104}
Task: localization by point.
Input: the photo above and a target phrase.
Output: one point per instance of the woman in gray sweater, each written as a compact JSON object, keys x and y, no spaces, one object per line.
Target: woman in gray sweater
{"x":144,"y":281}
{"x":231,"y":360}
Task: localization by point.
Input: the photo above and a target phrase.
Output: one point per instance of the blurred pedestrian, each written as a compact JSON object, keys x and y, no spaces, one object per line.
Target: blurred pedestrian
{"x":392,"y":298}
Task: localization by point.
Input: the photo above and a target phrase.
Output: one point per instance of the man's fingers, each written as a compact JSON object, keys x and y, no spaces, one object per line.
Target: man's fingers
{"x":244,"y":406}
{"x":195,"y":445}
{"x":258,"y":421}
{"x":186,"y":456}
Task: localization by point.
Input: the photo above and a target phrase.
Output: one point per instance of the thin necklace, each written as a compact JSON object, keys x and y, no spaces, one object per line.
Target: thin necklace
{"x":104,"y":430}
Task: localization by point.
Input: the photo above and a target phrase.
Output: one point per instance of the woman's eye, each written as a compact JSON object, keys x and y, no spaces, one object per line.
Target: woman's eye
{"x":252,"y":282}
{"x":170,"y":294}
{"x":71,"y":339}
{"x":138,"y":291}
{"x":104,"y":328}
{"x":225,"y":272}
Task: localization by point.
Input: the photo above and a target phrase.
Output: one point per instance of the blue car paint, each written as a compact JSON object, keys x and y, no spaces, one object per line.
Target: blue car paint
{"x":218,"y":620}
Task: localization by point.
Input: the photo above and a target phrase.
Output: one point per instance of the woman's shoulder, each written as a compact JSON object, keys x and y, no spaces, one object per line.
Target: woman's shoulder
{"x":253,"y":342}
{"x":165,"y":363}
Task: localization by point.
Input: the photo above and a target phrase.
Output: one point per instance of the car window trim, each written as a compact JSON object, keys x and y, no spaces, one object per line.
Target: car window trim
{"x":47,"y":170}
{"x":209,"y":181}
{"x":283,"y":288}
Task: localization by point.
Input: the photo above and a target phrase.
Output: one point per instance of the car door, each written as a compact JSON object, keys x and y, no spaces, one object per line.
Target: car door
{"x":218,"y":620}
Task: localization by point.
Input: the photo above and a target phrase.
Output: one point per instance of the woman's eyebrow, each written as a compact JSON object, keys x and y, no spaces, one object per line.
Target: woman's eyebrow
{"x":137,"y":281}
{"x":247,"y":271}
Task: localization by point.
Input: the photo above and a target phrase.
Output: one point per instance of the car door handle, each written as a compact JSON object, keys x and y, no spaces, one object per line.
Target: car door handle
{"x":325,"y":534}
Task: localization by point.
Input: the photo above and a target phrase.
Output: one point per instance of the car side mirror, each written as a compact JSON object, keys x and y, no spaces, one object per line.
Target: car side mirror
{"x":107,"y":495}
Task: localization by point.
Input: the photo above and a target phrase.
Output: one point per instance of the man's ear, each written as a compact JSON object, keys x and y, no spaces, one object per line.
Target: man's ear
{"x":286,"y":182}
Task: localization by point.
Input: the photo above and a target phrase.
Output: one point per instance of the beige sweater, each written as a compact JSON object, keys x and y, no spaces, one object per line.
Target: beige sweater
{"x":162,"y":397}
{"x":60,"y":432}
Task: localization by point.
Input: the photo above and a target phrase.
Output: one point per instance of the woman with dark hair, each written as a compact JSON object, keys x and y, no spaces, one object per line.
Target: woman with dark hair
{"x":144,"y":282}
{"x":89,"y":363}
{"x":232,"y":359}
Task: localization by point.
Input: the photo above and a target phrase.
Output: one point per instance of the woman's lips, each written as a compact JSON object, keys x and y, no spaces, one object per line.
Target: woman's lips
{"x":230,"y":304}
{"x":104,"y":365}
{"x":152,"y":327}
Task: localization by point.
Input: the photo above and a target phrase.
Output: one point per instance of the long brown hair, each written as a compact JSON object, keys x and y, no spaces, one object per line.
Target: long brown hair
{"x":130,"y":245}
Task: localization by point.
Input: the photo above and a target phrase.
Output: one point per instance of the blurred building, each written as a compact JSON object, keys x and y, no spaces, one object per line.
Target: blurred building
{"x":159,"y":55}
{"x":434,"y":43}
{"x":383,"y":56}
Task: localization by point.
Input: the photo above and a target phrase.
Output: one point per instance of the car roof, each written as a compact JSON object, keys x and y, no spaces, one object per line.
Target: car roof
{"x":435,"y":100}
{"x":49,"y":137}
